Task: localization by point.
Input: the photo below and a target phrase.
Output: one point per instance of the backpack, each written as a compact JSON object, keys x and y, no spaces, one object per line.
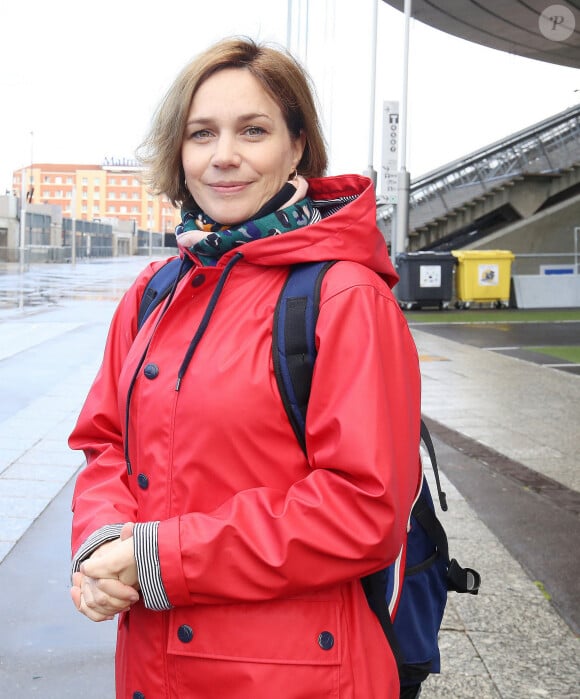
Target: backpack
{"x":429,"y":571}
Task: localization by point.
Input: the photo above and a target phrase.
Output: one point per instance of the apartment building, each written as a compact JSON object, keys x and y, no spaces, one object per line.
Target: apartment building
{"x":110,"y":192}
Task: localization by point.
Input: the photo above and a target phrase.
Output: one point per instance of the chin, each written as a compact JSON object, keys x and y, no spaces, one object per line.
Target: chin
{"x":230,"y":218}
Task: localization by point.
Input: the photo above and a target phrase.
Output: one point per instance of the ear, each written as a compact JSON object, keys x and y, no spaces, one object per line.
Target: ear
{"x":298,"y":145}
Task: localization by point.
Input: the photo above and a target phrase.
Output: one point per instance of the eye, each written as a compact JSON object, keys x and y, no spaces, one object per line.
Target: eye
{"x":201,"y":135}
{"x":254,"y":131}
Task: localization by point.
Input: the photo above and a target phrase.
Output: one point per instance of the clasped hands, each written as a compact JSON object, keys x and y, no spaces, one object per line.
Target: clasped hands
{"x":107,"y":582}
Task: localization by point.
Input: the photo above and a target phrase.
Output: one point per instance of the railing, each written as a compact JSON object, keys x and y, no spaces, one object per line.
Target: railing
{"x":544,"y":148}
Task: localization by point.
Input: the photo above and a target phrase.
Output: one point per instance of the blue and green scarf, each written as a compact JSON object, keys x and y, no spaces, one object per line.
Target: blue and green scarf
{"x":221,"y":239}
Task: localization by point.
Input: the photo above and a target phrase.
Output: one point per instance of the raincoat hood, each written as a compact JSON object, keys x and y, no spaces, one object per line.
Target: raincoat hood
{"x":351,"y":233}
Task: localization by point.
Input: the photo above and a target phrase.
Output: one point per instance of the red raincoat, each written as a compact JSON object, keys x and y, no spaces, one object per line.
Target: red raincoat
{"x":260,"y":550}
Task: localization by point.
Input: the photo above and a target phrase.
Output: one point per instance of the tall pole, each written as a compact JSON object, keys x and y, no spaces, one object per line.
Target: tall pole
{"x":21,"y":242}
{"x":289,"y":26}
{"x":31,"y":166}
{"x":404,"y":180}
{"x":370,"y":171}
{"x":73,"y":206}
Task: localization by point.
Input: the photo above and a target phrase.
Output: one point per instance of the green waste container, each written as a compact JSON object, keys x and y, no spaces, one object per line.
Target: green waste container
{"x":483,"y":276}
{"x":425,"y":279}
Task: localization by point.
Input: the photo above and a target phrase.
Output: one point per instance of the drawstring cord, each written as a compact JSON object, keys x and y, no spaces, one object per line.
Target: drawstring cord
{"x":140,"y":364}
{"x":206,"y":318}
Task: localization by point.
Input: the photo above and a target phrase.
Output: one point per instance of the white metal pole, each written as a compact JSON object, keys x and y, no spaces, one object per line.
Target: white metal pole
{"x":22,"y":217}
{"x":73,"y":199}
{"x":289,"y":26}
{"x":404,"y":178}
{"x":371,"y":172}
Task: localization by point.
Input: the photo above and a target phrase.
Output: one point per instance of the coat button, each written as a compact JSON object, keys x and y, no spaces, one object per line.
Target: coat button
{"x":198,"y":280}
{"x":142,"y":481}
{"x":326,"y":640}
{"x":185,"y":633}
{"x":138,"y":695}
{"x":151,"y":371}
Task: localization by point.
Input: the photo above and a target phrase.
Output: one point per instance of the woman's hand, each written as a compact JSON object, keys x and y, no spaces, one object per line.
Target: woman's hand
{"x":114,"y":560}
{"x":107,"y":582}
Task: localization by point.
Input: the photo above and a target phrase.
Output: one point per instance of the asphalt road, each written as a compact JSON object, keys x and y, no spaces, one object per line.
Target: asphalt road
{"x":516,"y":339}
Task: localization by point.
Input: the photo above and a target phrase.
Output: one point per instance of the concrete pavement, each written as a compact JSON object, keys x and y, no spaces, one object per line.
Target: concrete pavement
{"x":509,"y":642}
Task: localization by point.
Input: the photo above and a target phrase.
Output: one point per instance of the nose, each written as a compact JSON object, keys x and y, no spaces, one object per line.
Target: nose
{"x":226,"y":153}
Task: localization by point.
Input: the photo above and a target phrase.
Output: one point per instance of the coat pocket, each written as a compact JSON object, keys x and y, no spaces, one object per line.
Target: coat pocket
{"x":287,"y":631}
{"x":289,"y":648}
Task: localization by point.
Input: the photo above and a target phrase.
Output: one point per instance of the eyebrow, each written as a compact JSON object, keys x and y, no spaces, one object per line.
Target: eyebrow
{"x":243,"y":117}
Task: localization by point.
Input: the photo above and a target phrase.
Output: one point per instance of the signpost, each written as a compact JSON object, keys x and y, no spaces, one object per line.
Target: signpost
{"x":390,"y":164}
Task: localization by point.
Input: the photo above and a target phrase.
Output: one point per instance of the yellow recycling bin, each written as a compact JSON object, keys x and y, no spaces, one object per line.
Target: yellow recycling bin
{"x":483,"y":276}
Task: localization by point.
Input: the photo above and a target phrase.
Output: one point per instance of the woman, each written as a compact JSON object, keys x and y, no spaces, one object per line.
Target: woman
{"x":233,"y":561}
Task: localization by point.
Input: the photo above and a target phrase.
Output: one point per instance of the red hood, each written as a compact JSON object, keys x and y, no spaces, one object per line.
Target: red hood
{"x":349,"y":234}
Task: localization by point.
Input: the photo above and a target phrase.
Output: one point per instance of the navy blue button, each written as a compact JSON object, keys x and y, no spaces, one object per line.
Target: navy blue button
{"x":142,"y":481}
{"x":138,"y":695}
{"x":185,"y":633}
{"x":198,"y":280}
{"x":326,"y":640}
{"x":151,"y":371}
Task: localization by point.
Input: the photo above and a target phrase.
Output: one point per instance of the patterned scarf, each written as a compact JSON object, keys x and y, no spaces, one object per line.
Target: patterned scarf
{"x":220,"y":239}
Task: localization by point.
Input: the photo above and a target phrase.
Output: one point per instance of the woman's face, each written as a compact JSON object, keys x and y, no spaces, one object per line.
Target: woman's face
{"x":237,"y":152}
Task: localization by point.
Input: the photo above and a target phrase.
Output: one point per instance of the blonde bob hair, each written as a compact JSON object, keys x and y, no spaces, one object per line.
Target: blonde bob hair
{"x":282,"y":78}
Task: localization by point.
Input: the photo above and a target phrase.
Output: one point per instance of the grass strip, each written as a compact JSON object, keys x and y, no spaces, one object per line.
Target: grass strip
{"x":500,"y":315}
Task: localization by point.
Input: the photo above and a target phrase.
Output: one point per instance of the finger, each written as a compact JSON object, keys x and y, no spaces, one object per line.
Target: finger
{"x":75,"y":593}
{"x":102,"y":609}
{"x":92,"y":614}
{"x":118,"y":590}
{"x":99,"y":602}
{"x":127,"y":530}
{"x":97,"y":567}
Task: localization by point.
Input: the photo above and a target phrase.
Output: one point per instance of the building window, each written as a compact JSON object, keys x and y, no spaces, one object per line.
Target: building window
{"x":58,"y":179}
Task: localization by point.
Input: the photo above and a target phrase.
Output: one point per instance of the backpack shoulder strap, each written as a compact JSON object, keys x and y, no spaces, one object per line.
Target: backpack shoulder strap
{"x":160,"y":285}
{"x":293,"y":343}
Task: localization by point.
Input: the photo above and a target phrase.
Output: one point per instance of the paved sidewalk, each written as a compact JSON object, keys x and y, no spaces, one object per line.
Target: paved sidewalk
{"x":508,"y":642}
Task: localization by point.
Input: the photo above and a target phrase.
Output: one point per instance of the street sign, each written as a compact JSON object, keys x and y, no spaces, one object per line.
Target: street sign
{"x":389,"y":166}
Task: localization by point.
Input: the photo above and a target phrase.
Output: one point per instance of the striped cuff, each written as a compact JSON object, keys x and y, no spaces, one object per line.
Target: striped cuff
{"x":96,"y":539}
{"x":148,"y":566}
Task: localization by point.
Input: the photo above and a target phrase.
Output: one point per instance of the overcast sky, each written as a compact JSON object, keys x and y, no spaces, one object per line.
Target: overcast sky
{"x":84,"y":78}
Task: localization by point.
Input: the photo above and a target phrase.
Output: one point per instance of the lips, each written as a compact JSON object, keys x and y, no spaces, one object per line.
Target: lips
{"x":228,"y":187}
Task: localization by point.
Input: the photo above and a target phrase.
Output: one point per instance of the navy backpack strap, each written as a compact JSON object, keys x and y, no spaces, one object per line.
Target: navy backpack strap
{"x":458,"y":579}
{"x":293,"y":344}
{"x":428,"y":442}
{"x":160,"y":285}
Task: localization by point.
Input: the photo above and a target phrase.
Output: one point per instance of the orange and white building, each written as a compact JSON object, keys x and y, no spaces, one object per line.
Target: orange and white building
{"x":111,"y":192}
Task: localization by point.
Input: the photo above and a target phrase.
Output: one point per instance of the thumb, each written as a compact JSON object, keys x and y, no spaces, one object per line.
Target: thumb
{"x":127,"y":530}
{"x":75,"y":593}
